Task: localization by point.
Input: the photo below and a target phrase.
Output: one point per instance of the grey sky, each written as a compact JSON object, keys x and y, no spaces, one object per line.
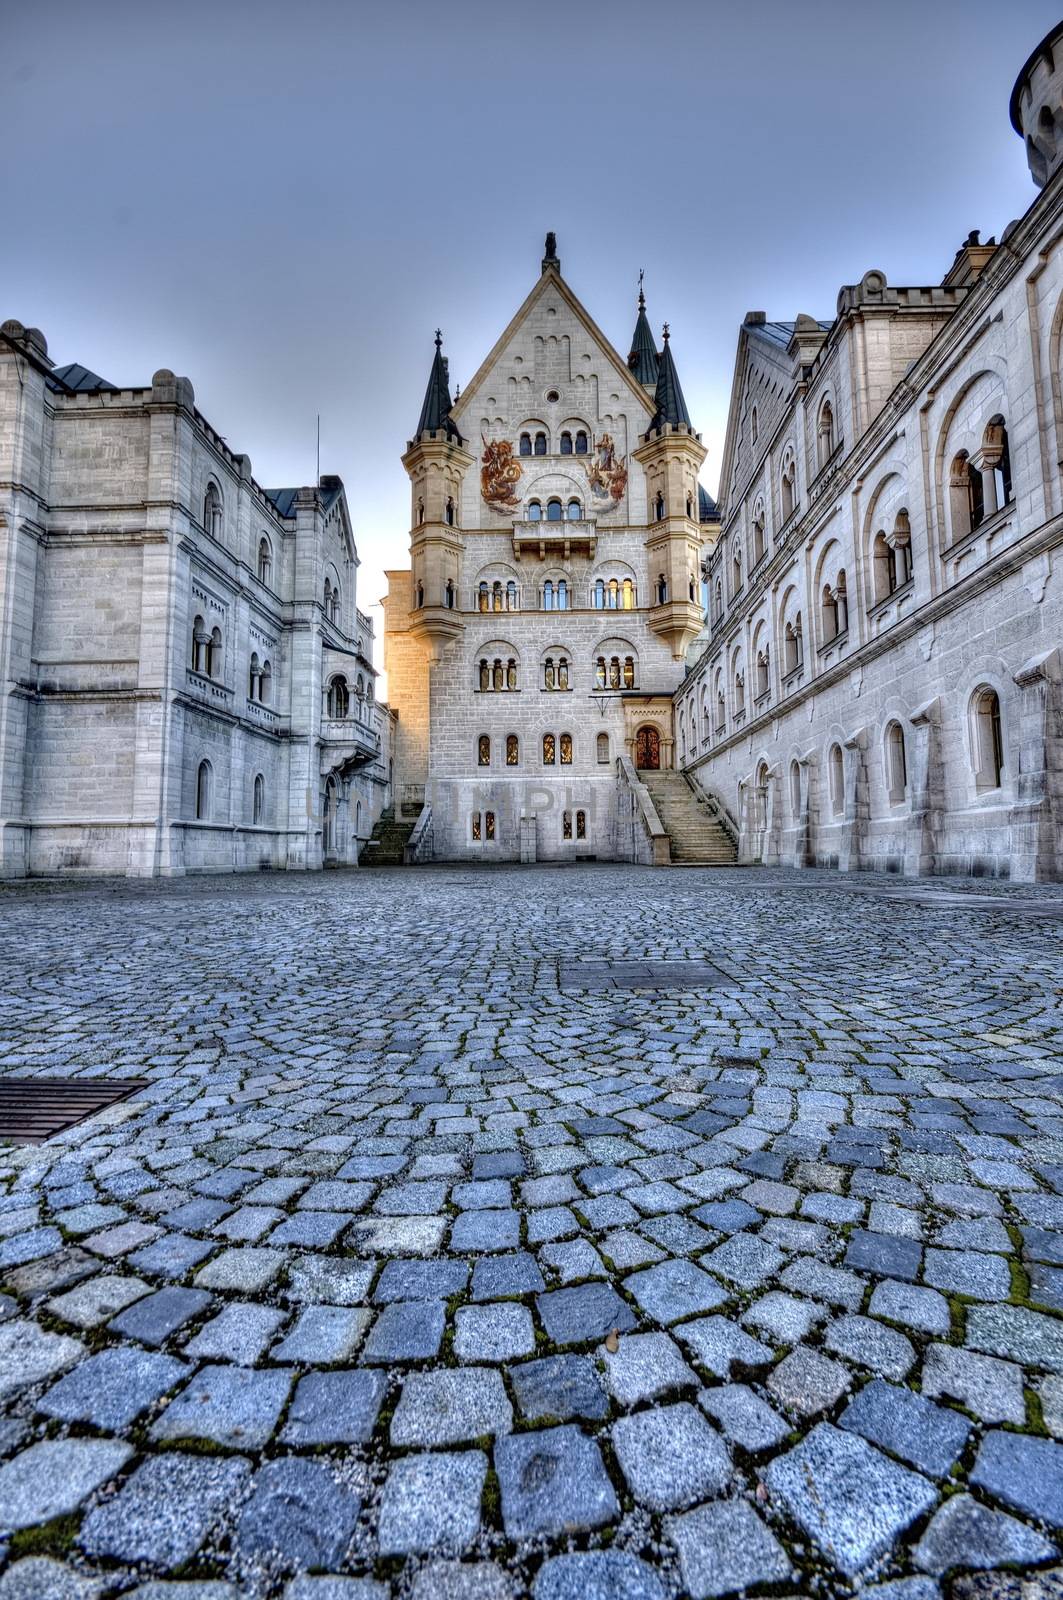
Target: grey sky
{"x":283,"y":200}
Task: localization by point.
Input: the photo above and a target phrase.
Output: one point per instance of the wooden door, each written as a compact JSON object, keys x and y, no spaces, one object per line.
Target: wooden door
{"x":648,"y":748}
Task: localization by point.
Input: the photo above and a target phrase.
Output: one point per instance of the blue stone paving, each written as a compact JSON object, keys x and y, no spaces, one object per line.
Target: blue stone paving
{"x":418,"y":1274}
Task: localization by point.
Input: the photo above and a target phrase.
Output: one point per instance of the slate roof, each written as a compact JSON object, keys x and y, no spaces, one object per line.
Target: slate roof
{"x":670,"y":406}
{"x":643,"y":361}
{"x":781,"y":333}
{"x":707,"y":507}
{"x":284,"y":499}
{"x":435,"y":413}
{"x":75,"y":376}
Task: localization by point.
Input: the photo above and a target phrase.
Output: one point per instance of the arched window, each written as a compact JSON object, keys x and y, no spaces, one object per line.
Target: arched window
{"x":614,"y":672}
{"x":836,"y":774}
{"x":825,"y":434}
{"x":359,"y":687}
{"x":658,"y":507}
{"x":566,"y":824}
{"x":612,"y":597}
{"x":548,"y":595}
{"x":511,"y":595}
{"x":896,"y":764}
{"x":200,"y":641}
{"x":562,"y":594}
{"x":995,"y":466}
{"x":498,"y":674}
{"x":759,"y":541}
{"x":629,"y":672}
{"x":721,"y":709}
{"x":214,"y":654}
{"x":450,"y":512}
{"x":740,"y":693}
{"x":496,"y":595}
{"x":485,"y":674}
{"x":338,"y":703}
{"x":736,"y":567}
{"x":754,"y":425}
{"x":369,"y":691}
{"x":884,"y":562}
{"x":581,"y":443}
{"x":763,"y":680}
{"x":690,"y":505}
{"x":258,"y":800}
{"x":549,"y":750}
{"x":326,"y":598}
{"x":512,"y":750}
{"x":511,"y":673}
{"x":788,"y":483}
{"x":420,"y":595}
{"x":966,"y":495}
{"x":662,"y":589}
{"x":706,"y":720}
{"x":483,"y":597}
{"x":795,"y":789}
{"x":525,"y":444}
{"x":602,"y":745}
{"x":566,"y":444}
{"x":477,"y":833}
{"x":792,"y":646}
{"x":841,"y":602}
{"x":599,"y":594}
{"x":829,"y":614}
{"x":489,"y":824}
{"x":718,"y":600}
{"x":204,"y":792}
{"x":573,"y":511}
{"x":581,"y":824}
{"x":448,"y":595}
{"x":212,"y":511}
{"x":628,"y":595}
{"x":265,"y":560}
{"x":540,"y":444}
{"x":566,"y":749}
{"x":483,"y":750}
{"x":535,"y":511}
{"x":600,"y":675}
{"x":420,"y":511}
{"x":265,"y":683}
{"x":987,"y":740}
{"x":553,"y":511}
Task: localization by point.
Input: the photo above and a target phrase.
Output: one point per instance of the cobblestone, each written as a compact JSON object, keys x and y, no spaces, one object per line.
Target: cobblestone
{"x":391,"y":1219}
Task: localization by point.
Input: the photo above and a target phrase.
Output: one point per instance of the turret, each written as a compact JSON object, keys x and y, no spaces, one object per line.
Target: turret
{"x":436,"y":461}
{"x":1037,"y":107}
{"x":671,"y":455}
{"x":643,"y":360}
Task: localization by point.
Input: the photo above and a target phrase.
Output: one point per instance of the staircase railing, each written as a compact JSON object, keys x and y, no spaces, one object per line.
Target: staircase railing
{"x":649,"y":838}
{"x":715,"y":806}
{"x":418,"y":846}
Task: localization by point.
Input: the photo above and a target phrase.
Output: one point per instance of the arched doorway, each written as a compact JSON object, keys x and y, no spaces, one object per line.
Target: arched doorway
{"x":648,"y":748}
{"x":329,"y":820}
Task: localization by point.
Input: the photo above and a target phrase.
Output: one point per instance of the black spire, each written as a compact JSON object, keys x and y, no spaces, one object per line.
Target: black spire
{"x":671,"y":408}
{"x":643,"y":360}
{"x":435,"y":413}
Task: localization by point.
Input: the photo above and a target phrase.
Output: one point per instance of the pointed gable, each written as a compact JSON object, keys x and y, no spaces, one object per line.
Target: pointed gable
{"x":763,"y":379}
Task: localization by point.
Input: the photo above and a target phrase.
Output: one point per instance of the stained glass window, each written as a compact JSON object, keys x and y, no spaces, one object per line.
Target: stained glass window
{"x":483,"y":748}
{"x":512,"y":750}
{"x":476,"y":825}
{"x":566,"y":749}
{"x":566,"y":825}
{"x":549,"y":750}
{"x":581,"y":824}
{"x":489,"y":818}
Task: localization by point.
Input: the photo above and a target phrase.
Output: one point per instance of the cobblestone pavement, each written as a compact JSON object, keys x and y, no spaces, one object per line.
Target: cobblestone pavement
{"x":414,"y":1266}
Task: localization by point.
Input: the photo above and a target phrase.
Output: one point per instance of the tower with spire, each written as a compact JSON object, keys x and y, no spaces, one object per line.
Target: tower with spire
{"x":436,"y":461}
{"x":671,"y":454}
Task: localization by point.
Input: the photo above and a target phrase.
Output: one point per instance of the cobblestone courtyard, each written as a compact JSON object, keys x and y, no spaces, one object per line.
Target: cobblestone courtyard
{"x":460,"y":1247}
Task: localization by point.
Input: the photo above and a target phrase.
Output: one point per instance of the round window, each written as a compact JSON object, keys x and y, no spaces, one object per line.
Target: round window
{"x":552,"y":395}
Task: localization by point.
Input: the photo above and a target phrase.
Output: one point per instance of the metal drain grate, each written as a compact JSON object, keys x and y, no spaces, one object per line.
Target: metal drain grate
{"x":639,"y":975}
{"x":33,"y":1109}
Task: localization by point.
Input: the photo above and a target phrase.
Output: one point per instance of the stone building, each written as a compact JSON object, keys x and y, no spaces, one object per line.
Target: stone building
{"x":187,"y":681}
{"x":881,"y":683}
{"x":533,"y":645}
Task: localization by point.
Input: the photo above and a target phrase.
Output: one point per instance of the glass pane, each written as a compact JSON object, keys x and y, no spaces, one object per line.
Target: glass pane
{"x":549,"y":753}
{"x":566,"y":749}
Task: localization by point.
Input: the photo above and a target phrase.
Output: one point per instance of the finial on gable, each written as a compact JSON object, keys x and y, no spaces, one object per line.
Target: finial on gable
{"x":642,"y":297}
{"x":664,"y":333}
{"x":550,"y":259}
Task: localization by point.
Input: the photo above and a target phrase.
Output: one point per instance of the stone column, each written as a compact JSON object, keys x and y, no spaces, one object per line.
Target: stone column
{"x":1037,"y":815}
{"x":853,"y":849}
{"x":926,"y":790}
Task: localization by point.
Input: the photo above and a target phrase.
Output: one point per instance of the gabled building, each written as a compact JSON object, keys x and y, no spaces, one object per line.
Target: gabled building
{"x":880,"y":687}
{"x":534,"y":642}
{"x":187,"y":680}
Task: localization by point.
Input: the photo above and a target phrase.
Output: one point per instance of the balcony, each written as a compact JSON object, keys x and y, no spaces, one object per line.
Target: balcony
{"x":349,"y":741}
{"x":557,"y":541}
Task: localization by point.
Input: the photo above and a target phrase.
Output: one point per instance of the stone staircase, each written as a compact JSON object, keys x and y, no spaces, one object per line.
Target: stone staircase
{"x":387,"y":842}
{"x":697,"y":837}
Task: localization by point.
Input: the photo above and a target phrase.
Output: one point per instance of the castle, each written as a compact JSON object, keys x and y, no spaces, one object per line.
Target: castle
{"x":187,"y":680}
{"x":853,"y":661}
